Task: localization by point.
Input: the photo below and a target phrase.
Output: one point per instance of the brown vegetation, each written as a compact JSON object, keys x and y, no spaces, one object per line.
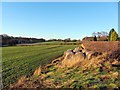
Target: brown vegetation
{"x":115,"y":54}
{"x":102,"y":46}
{"x":37,"y":71}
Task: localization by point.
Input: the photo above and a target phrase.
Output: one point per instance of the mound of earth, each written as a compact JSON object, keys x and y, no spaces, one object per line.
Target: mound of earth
{"x":78,"y":68}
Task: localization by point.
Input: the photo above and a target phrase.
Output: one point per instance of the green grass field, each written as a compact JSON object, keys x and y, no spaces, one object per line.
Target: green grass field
{"x":23,"y":60}
{"x":51,"y":43}
{"x":59,"y":43}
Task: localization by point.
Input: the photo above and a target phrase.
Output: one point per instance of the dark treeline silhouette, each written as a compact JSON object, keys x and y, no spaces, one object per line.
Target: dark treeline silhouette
{"x":11,"y":41}
{"x":6,"y":40}
{"x":63,"y":40}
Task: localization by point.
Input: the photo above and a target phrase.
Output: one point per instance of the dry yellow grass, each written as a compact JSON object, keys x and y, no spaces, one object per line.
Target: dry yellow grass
{"x":22,"y":79}
{"x":37,"y":72}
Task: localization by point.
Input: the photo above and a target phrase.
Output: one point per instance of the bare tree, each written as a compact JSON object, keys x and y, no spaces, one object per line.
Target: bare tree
{"x":93,"y":34}
{"x":100,"y":34}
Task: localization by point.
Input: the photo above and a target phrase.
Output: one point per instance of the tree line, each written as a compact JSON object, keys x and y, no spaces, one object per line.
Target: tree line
{"x":11,"y":41}
{"x":7,"y":40}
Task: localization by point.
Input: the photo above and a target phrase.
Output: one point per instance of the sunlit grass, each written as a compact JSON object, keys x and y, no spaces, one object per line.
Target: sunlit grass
{"x":23,"y":60}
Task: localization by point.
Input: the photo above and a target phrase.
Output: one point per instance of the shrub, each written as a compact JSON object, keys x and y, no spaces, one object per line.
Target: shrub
{"x":113,"y":36}
{"x":95,"y":38}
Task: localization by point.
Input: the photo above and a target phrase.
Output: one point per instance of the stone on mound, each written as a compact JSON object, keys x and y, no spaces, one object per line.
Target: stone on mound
{"x":72,"y":58}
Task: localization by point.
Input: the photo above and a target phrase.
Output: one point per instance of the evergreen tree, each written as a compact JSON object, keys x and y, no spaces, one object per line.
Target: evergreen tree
{"x":95,"y":38}
{"x":113,"y":36}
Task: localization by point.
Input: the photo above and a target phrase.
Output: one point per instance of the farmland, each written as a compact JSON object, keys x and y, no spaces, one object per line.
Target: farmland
{"x":51,"y":43}
{"x":23,"y":60}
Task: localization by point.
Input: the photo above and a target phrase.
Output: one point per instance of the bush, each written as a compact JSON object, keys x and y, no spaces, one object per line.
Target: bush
{"x":113,"y":36}
{"x":95,"y":38}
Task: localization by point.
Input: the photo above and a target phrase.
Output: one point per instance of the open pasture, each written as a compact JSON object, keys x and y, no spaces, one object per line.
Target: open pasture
{"x":23,"y":60}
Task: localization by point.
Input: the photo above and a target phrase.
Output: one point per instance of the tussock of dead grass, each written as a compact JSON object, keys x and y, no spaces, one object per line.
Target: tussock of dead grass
{"x":22,"y":79}
{"x":37,"y":72}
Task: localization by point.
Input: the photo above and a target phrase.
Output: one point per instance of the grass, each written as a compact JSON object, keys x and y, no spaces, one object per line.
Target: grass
{"x":59,"y":43}
{"x":75,"y":78}
{"x":23,"y":60}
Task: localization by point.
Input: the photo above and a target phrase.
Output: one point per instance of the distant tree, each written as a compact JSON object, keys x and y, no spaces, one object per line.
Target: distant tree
{"x":67,"y":40}
{"x":41,"y":40}
{"x":74,"y":40}
{"x":60,"y":40}
{"x":10,"y":40}
{"x":103,"y":33}
{"x":100,"y":34}
{"x":52,"y":40}
{"x":113,"y":36}
{"x":95,"y":38}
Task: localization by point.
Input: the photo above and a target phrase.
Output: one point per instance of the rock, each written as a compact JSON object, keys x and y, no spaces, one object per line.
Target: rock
{"x":68,"y":54}
{"x":72,"y":59}
{"x":80,"y":55}
{"x":77,"y":49}
{"x":90,"y":54}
